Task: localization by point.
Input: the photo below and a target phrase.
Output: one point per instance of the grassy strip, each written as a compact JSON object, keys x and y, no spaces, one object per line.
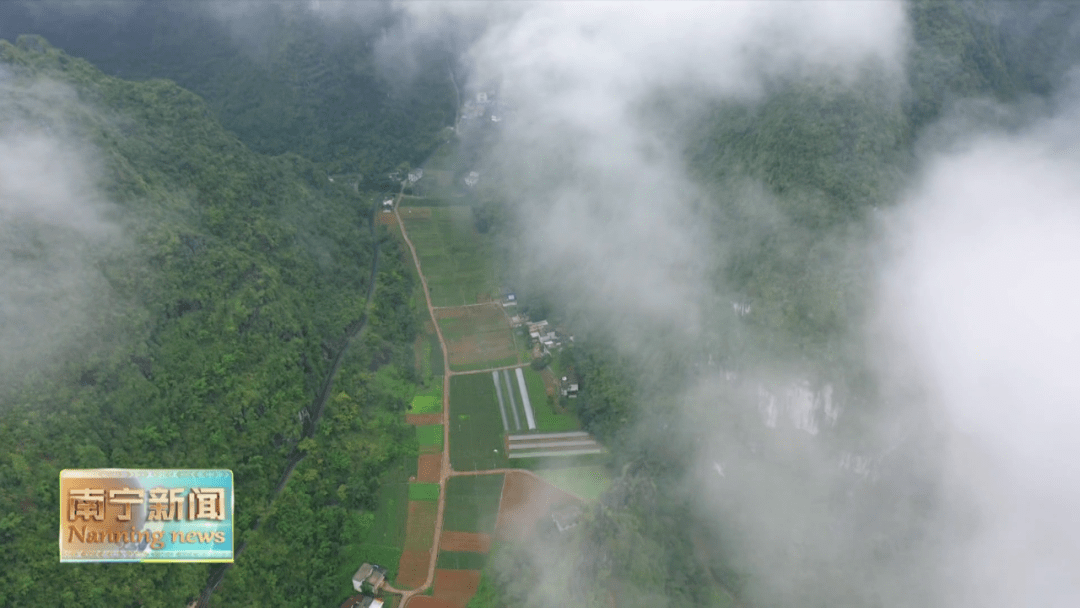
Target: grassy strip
{"x":588,"y":482}
{"x":504,"y":362}
{"x":424,"y":491}
{"x":430,"y":434}
{"x":461,"y":560}
{"x":476,"y":430}
{"x":428,"y":400}
{"x":547,"y":420}
{"x":472,"y":503}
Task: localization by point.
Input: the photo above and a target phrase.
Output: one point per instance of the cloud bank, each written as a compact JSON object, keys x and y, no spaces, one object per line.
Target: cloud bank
{"x":53,"y":222}
{"x":981,"y":295}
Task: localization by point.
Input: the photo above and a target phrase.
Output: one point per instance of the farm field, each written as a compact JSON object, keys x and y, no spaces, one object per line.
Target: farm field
{"x":380,"y":535}
{"x":424,"y":491}
{"x":477,"y":337}
{"x":430,"y":438}
{"x":588,"y":482}
{"x":454,"y":257}
{"x":456,"y":587}
{"x":429,"y":399}
{"x":476,"y":430}
{"x":461,"y":560}
{"x":472,"y":503}
{"x":547,"y":419}
{"x":525,"y":501}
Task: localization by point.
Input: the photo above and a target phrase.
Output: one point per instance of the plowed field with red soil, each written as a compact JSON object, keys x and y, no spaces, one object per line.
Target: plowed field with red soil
{"x":525,"y":501}
{"x":465,"y":541}
{"x":412,"y":570}
{"x":426,"y":601}
{"x":428,"y":467}
{"x":456,"y":587}
{"x":423,"y":419}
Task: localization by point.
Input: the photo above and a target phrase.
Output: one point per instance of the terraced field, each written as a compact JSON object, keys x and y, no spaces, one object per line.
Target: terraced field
{"x":454,"y":257}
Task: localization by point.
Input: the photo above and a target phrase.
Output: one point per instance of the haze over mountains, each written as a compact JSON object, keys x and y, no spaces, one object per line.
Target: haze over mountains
{"x":820,"y":258}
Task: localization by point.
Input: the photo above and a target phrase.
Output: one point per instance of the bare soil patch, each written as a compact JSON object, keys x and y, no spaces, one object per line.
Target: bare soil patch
{"x":551,"y":383}
{"x":474,"y":542}
{"x":420,"y":527}
{"x":426,"y":601}
{"x":456,"y":587}
{"x":423,"y":419}
{"x":428,"y":467}
{"x":412,"y":569}
{"x":385,"y":218}
{"x":525,"y":501}
{"x":478,"y":334}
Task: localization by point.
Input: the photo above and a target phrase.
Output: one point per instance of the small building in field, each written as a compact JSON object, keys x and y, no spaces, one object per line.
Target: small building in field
{"x":372,"y":575}
{"x":566,"y":517}
{"x":362,"y":601}
{"x":569,"y":386}
{"x":388,"y":205}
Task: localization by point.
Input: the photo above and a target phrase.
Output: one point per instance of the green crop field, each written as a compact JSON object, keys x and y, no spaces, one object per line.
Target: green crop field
{"x":461,"y":560}
{"x":424,"y":491}
{"x":455,"y":259}
{"x":430,"y":435}
{"x":378,"y":536}
{"x":428,"y":400}
{"x":476,"y":431}
{"x":547,"y":419}
{"x":472,"y":503}
{"x":588,"y":482}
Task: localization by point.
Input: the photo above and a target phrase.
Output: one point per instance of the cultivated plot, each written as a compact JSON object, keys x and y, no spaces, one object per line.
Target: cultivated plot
{"x":456,"y":587}
{"x":455,"y":259}
{"x":430,"y":438}
{"x":472,"y":504}
{"x":477,"y":337}
{"x":380,"y":539}
{"x":588,"y":482}
{"x":419,"y":537}
{"x":428,"y":400}
{"x":461,"y":560}
{"x":476,"y":430}
{"x":525,"y":501}
{"x":424,"y":491}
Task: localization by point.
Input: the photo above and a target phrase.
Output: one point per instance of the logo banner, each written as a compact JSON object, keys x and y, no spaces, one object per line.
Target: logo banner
{"x":146,"y":515}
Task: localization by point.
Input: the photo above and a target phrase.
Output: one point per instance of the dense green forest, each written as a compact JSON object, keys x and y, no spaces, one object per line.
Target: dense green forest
{"x":241,"y":278}
{"x":280,"y":77}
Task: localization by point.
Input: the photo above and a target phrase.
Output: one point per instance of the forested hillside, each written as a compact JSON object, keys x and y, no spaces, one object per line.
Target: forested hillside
{"x":230,"y":284}
{"x":280,"y":77}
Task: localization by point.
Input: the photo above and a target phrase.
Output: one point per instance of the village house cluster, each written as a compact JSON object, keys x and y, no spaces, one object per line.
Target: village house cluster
{"x":484,"y":105}
{"x":544,"y":338}
{"x":367,"y":582}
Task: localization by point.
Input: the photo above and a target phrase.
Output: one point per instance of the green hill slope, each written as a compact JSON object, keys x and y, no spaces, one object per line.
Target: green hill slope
{"x":230,"y":284}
